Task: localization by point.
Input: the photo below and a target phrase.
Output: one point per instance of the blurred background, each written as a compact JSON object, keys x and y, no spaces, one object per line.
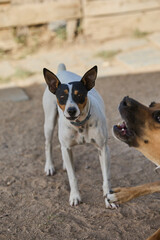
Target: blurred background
{"x":120,"y":36}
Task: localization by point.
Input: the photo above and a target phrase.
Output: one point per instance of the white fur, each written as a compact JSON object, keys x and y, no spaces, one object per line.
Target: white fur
{"x":70,"y":103}
{"x":95,"y":128}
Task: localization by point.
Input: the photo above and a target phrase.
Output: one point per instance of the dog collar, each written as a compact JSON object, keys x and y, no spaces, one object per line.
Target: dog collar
{"x":78,"y":124}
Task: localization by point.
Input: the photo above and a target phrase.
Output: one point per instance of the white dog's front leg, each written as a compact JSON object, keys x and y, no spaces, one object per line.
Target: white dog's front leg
{"x":104,"y":157}
{"x":49,"y":167}
{"x":75,"y":198}
{"x":50,"y":113}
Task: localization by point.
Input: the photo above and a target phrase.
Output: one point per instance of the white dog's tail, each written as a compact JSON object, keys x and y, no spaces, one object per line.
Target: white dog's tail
{"x":61,"y":67}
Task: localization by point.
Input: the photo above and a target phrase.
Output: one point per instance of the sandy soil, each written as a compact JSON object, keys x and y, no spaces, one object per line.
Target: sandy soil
{"x":34,"y":206}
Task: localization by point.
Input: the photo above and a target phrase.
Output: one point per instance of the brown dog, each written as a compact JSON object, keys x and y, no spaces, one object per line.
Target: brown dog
{"x":140,"y":129}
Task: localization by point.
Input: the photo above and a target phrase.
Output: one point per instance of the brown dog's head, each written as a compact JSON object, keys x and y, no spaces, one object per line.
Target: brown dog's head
{"x":140,"y":128}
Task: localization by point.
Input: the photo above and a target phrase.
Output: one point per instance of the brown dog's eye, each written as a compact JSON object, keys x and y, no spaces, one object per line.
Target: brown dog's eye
{"x":152,"y":104}
{"x":156,"y":116}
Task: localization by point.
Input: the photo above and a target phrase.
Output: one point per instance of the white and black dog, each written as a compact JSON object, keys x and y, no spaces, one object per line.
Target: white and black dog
{"x":81,"y":119}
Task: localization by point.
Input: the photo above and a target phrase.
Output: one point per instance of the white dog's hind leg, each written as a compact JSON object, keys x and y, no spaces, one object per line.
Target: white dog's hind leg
{"x":104,"y":157}
{"x":75,"y":198}
{"x":50,"y":112}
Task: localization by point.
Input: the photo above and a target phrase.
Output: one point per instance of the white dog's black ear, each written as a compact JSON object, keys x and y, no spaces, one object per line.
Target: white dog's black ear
{"x":51,"y":80}
{"x":89,"y":78}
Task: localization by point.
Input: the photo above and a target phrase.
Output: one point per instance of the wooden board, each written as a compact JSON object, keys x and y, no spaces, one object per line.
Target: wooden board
{"x":5,"y":1}
{"x":100,"y":28}
{"x":39,"y":13}
{"x":104,"y":7}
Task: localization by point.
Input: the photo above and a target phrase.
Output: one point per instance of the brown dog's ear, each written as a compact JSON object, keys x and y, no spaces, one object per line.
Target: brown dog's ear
{"x":89,"y":78}
{"x":51,"y":80}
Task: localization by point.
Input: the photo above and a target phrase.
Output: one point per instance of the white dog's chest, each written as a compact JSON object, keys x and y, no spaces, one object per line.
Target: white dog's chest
{"x":85,"y":134}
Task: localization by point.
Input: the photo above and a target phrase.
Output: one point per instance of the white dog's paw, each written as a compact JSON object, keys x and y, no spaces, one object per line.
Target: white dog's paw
{"x":49,"y":169}
{"x":110,"y":205}
{"x":74,"y":199}
{"x":112,"y":198}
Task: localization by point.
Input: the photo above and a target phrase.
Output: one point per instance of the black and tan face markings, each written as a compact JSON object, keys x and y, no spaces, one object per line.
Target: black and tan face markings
{"x":79,"y":94}
{"x":62,"y":95}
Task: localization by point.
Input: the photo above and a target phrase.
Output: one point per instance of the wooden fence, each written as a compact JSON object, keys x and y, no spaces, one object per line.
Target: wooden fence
{"x":113,"y":18}
{"x":101,"y":19}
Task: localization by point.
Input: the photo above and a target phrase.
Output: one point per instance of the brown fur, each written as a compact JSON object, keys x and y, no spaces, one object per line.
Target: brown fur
{"x":81,"y":106}
{"x":152,"y":134}
{"x":148,"y":139}
{"x":61,"y":106}
{"x":76,"y":92}
{"x":155,"y":236}
{"x":66,"y":91}
{"x":151,"y":151}
{"x":128,"y":193}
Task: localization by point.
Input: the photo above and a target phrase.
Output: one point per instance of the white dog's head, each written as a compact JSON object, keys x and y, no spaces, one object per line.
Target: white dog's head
{"x":71,"y":97}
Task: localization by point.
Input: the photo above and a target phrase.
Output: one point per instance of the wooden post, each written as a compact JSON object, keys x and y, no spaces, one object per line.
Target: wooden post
{"x":71,"y":29}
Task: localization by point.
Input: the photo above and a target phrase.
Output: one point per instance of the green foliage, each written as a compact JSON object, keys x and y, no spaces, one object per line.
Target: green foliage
{"x":61,"y":33}
{"x":22,"y":73}
{"x":19,"y":74}
{"x":139,"y":34}
{"x":2,"y":53}
{"x":107,"y":54}
{"x":4,"y":80}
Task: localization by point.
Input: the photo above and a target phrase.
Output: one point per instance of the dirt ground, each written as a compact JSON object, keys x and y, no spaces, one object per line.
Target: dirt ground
{"x":34,"y":206}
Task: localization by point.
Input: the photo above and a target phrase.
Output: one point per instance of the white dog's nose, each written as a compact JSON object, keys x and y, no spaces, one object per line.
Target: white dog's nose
{"x":72,"y":111}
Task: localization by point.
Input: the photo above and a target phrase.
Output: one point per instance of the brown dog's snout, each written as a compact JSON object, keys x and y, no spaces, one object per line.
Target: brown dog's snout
{"x":127,"y":101}
{"x":133,"y":104}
